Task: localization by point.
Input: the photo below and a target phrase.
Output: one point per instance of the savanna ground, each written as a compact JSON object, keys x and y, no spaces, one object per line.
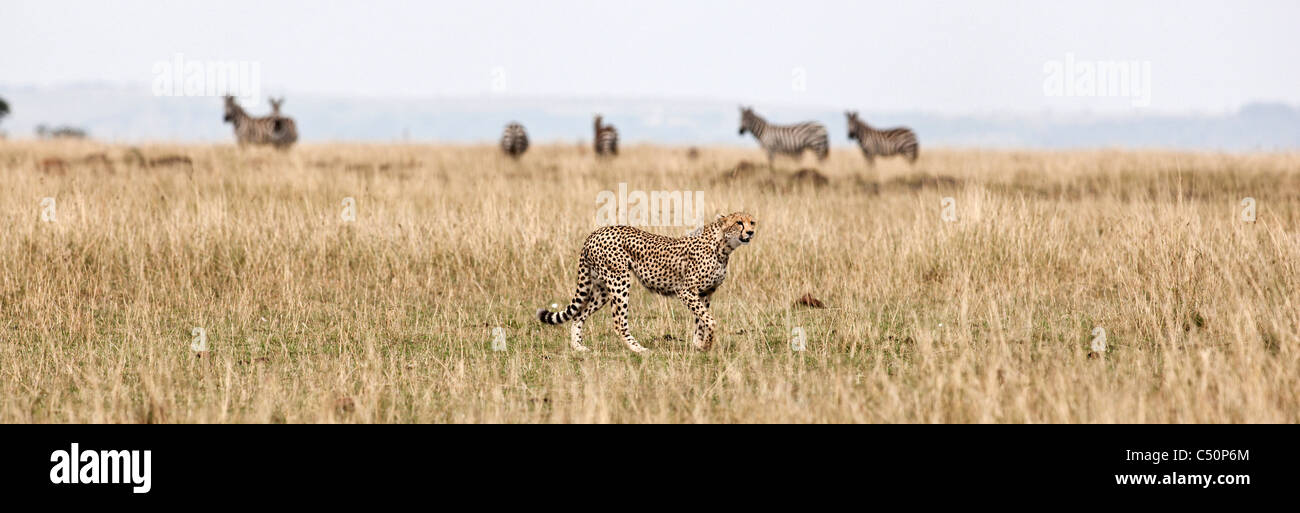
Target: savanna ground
{"x":390,"y":318}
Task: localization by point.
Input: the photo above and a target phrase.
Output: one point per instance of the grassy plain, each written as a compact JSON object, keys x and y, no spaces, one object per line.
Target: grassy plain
{"x":390,"y":318}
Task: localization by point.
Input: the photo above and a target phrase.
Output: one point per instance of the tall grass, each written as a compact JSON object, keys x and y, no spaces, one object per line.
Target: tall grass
{"x":389,"y":318}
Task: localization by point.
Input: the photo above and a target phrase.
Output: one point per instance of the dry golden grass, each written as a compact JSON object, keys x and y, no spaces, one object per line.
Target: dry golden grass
{"x":390,"y":318}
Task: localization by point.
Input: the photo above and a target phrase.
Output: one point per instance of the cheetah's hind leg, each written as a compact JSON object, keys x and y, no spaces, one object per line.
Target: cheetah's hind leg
{"x":618,"y":290}
{"x":599,"y":296}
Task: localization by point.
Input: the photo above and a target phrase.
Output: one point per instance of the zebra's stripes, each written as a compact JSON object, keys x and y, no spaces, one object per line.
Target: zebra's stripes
{"x":514,"y":141}
{"x":882,"y":143}
{"x":275,"y":130}
{"x":789,"y":140}
{"x":606,"y":138}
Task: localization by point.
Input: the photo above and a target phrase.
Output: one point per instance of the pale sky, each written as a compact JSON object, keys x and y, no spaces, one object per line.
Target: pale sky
{"x":937,"y":56}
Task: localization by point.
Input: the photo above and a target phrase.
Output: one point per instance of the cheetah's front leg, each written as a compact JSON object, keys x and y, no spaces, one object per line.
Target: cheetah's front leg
{"x":703,"y":318}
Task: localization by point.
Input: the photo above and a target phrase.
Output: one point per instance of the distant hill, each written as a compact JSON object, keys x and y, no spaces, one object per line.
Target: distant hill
{"x":122,"y":113}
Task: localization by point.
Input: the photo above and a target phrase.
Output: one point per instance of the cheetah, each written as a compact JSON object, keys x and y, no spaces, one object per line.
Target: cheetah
{"x":691,"y":268}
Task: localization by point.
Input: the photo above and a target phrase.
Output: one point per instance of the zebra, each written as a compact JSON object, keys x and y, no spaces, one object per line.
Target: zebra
{"x":275,"y":130}
{"x":606,"y":138}
{"x":289,"y":126}
{"x":514,"y":141}
{"x":789,"y":140}
{"x":62,"y":132}
{"x":883,"y":143}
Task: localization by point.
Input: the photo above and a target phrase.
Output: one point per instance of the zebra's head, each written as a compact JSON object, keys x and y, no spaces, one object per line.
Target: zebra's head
{"x":853,"y":123}
{"x":747,"y":118}
{"x":232,"y":110}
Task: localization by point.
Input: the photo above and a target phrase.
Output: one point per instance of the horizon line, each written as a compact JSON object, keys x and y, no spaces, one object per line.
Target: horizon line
{"x":1093,"y":113}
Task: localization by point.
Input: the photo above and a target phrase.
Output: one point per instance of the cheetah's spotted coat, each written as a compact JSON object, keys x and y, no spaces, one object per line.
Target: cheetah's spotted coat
{"x":690,"y":268}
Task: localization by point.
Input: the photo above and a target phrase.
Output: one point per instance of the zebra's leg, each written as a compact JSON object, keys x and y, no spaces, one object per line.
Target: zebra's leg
{"x":599,"y":296}
{"x":871,"y":159}
{"x":703,"y":319}
{"x":771,"y":160}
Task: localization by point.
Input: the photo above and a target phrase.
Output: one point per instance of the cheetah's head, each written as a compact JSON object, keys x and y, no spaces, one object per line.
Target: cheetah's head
{"x":738,"y":229}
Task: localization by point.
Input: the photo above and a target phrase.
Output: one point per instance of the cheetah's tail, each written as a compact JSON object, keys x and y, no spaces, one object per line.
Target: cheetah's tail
{"x":563,"y":316}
